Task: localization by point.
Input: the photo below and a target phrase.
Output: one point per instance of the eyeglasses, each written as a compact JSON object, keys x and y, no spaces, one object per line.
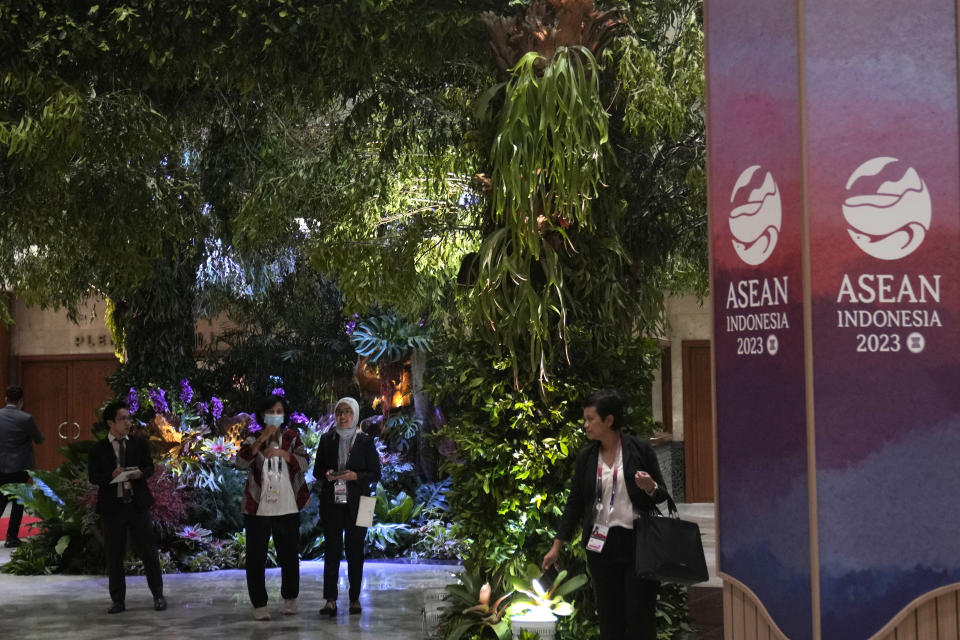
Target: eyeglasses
{"x":343,"y":412}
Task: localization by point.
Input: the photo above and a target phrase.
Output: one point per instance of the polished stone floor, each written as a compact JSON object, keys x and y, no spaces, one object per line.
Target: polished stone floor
{"x":215,"y":605}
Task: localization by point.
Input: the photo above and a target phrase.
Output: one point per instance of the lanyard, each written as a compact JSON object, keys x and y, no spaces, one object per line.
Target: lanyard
{"x":617,"y":463}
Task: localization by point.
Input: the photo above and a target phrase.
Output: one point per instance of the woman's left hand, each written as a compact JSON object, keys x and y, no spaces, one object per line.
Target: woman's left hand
{"x":348,"y":476}
{"x":644,"y":481}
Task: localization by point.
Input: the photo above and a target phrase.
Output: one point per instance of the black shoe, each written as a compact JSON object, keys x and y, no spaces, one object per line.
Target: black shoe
{"x":10,"y":544}
{"x":355,"y":607}
{"x":328,"y":610}
{"x":159,"y":603}
{"x":118,"y":607}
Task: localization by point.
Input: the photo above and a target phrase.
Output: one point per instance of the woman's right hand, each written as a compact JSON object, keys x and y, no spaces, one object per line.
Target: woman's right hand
{"x":267,"y":433}
{"x":552,"y":556}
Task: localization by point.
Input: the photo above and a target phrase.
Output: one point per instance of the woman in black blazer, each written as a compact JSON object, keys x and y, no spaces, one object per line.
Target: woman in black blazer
{"x":347,"y":467}
{"x":625,"y":470}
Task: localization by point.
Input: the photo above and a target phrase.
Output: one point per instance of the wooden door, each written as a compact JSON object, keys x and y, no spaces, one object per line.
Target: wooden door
{"x":63,"y":393}
{"x":698,"y":421}
{"x":46,"y":397}
{"x":88,"y":390}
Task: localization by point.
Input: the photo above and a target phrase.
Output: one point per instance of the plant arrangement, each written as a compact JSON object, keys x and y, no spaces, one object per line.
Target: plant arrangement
{"x":198,"y":494}
{"x":536,"y":599}
{"x":476,"y":609}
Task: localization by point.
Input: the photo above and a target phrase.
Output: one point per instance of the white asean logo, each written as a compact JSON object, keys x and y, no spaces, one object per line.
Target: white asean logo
{"x":891,"y":220}
{"x":755,"y":221}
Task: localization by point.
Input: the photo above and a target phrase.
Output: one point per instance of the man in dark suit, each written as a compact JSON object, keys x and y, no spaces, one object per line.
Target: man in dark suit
{"x":18,"y":432}
{"x":125,"y":505}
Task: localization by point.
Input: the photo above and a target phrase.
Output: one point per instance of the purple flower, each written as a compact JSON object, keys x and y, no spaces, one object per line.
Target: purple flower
{"x":203,"y":408}
{"x":279,"y":392}
{"x":351,"y":325}
{"x":216,"y":408}
{"x":195,"y":533}
{"x":254,"y":425}
{"x":159,"y":399}
{"x":186,"y":393}
{"x":132,"y":403}
{"x":298,"y":418}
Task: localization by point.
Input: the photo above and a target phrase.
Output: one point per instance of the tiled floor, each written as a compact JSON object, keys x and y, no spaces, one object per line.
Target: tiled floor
{"x":215,"y":605}
{"x":706,"y":599}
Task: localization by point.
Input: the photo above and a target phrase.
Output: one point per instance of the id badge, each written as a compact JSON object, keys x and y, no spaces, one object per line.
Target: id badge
{"x":340,"y":492}
{"x":597,"y":538}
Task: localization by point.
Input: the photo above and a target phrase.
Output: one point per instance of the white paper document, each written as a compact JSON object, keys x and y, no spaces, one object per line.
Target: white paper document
{"x":125,"y":475}
{"x":365,"y":512}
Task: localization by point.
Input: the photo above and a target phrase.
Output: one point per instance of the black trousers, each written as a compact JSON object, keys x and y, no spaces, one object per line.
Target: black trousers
{"x":339,"y":531}
{"x":136,"y":521}
{"x":286,"y":539}
{"x":16,"y":510}
{"x":626,"y":605}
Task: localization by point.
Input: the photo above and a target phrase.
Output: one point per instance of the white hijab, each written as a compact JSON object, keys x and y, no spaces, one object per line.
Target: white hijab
{"x":347,"y":434}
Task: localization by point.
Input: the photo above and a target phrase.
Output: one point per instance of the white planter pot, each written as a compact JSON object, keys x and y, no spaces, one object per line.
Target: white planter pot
{"x":433,"y":603}
{"x":546,"y":628}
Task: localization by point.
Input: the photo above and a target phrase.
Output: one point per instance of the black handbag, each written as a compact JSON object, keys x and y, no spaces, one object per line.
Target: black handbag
{"x":669,"y":549}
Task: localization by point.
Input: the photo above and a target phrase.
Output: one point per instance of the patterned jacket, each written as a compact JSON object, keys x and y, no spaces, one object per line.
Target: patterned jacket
{"x":246,"y":459}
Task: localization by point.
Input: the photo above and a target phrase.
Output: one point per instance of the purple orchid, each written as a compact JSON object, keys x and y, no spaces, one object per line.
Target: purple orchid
{"x":133,"y":404}
{"x":159,"y":399}
{"x":186,"y":392}
{"x":216,"y":408}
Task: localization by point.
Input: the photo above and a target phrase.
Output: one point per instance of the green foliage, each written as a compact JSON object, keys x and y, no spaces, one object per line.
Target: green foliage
{"x":547,"y":156}
{"x":291,"y":330}
{"x":154,"y":325}
{"x":543,"y":599}
{"x":34,"y":557}
{"x":389,"y":338}
{"x":673,"y":615}
{"x":474,"y":608}
{"x":400,"y":430}
{"x":515,"y":447}
{"x":394,"y":518}
{"x":64,"y":503}
{"x":219,"y":507}
{"x":436,"y":540}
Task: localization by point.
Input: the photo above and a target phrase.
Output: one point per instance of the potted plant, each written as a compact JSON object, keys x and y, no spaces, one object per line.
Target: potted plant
{"x":535,"y":609}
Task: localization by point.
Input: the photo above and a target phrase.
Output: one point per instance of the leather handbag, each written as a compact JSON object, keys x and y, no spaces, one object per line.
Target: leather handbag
{"x":669,"y":549}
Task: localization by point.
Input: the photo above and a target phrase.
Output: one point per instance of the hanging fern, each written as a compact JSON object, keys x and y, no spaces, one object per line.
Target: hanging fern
{"x":548,"y":153}
{"x":547,"y":167}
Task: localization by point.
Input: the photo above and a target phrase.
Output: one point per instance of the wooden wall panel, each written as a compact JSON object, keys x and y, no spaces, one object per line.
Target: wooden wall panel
{"x":927,"y":621}
{"x":947,"y":617}
{"x":744,"y":617}
{"x":906,"y":630}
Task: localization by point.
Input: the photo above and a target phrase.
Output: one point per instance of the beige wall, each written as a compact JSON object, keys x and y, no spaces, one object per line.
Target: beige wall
{"x":687,"y":319}
{"x":38,"y":332}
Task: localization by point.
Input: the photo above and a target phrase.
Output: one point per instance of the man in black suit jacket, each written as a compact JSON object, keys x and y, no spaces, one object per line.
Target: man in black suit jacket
{"x":125,"y":506}
{"x":18,"y":432}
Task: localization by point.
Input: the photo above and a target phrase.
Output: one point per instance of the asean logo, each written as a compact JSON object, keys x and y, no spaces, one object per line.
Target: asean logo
{"x":756,"y":217}
{"x":888,"y":218}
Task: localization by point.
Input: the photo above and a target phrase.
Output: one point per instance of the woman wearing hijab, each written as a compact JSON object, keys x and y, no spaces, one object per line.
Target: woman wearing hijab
{"x":347,"y":467}
{"x":273,"y":497}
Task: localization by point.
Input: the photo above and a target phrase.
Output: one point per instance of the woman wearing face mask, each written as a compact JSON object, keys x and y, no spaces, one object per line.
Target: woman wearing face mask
{"x":273,"y":496}
{"x":347,"y":467}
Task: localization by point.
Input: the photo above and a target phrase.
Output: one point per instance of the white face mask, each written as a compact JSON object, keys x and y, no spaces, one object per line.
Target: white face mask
{"x":273,"y":419}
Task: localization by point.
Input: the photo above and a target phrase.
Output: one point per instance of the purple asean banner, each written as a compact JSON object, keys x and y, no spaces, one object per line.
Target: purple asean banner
{"x":755,"y":218}
{"x":882,"y":151}
{"x":880,"y":140}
